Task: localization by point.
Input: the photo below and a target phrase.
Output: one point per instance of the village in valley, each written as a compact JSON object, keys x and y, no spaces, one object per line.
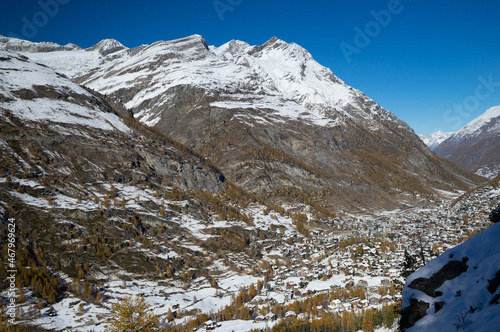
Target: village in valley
{"x":345,"y":266}
{"x":366,"y":256}
{"x":353,"y":264}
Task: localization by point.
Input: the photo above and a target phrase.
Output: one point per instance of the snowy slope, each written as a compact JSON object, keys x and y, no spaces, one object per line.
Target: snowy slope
{"x":470,"y":300}
{"x":224,"y":100}
{"x":27,"y":91}
{"x":69,"y":59}
{"x":434,"y":139}
{"x":486,"y":124}
{"x":282,"y":78}
{"x":475,"y":146}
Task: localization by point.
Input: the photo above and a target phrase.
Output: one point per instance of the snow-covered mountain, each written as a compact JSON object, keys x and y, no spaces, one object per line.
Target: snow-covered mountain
{"x":280,"y":76}
{"x":27,"y":91}
{"x":434,"y":139}
{"x":268,"y":116}
{"x":475,"y":146}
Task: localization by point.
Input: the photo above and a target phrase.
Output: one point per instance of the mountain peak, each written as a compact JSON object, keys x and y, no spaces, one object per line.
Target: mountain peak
{"x":273,"y":41}
{"x":474,"y":147}
{"x":196,"y":38}
{"x":475,"y":126}
{"x":434,"y":139}
{"x":195,"y":43}
{"x":107,"y":46}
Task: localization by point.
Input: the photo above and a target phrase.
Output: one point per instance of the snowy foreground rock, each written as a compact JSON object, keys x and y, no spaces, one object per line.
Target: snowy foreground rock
{"x":457,"y":291}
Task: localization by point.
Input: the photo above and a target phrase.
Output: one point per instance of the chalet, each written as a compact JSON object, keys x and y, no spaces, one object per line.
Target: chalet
{"x":354,"y":300}
{"x":335,"y":303}
{"x":374,"y":299}
{"x":346,"y":307}
{"x":349,"y":284}
{"x":362,"y":283}
{"x":385,"y":282}
{"x":362,"y":304}
{"x":210,"y":325}
{"x":270,"y":317}
{"x":302,"y":316}
{"x":386,"y":299}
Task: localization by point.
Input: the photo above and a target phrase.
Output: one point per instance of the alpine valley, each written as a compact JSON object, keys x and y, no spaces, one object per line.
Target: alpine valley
{"x":225,"y":185}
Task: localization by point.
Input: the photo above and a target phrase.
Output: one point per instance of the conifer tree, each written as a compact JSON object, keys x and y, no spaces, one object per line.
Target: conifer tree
{"x":409,"y":265}
{"x":367,"y":321}
{"x":170,"y":315}
{"x":252,"y":292}
{"x":133,"y":314}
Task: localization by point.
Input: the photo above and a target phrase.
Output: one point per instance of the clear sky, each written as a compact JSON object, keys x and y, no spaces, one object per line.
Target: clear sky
{"x":433,"y":63}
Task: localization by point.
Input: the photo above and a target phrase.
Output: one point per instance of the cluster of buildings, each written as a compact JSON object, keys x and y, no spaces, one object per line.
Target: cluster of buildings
{"x":368,"y":253}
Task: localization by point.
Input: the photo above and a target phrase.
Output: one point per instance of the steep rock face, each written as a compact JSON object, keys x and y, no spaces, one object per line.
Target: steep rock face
{"x":74,"y":123}
{"x":270,"y":117}
{"x":458,"y":290}
{"x":475,"y":146}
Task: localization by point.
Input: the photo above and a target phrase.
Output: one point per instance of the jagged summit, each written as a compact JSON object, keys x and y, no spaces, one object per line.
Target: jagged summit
{"x":274,"y":42}
{"x":485,"y":124}
{"x":107,"y":46}
{"x":273,"y":97}
{"x":193,"y":43}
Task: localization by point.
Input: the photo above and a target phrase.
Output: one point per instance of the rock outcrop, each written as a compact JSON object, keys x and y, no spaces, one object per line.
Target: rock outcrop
{"x":457,"y":291}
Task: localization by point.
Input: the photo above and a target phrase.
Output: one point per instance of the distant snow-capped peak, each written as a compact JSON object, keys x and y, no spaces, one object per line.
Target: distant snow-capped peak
{"x":434,"y":139}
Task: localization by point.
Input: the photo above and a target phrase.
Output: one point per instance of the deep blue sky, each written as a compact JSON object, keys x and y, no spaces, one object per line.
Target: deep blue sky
{"x":428,"y":64}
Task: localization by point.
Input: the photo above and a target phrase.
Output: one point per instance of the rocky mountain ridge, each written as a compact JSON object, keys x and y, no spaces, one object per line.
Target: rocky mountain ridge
{"x":475,"y":146}
{"x":99,"y":198}
{"x":270,"y":117}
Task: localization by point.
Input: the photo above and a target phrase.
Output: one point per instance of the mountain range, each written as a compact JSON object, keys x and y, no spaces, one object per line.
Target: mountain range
{"x":180,"y":170}
{"x":270,"y":118}
{"x":433,"y":140}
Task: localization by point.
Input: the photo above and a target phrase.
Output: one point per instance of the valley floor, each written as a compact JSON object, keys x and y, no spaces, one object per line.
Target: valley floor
{"x":350,"y":265}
